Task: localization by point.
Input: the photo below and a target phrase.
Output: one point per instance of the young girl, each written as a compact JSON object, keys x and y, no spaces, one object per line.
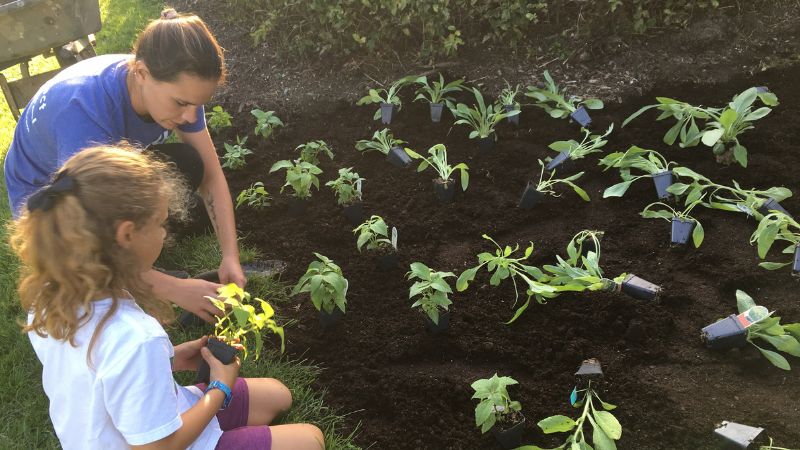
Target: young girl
{"x":84,"y":242}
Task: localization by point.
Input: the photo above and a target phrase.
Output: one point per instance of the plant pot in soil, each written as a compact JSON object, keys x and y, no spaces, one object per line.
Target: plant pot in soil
{"x":387,"y":110}
{"x":796,"y":264}
{"x":328,"y":320}
{"x":398,"y":157}
{"x":771,"y":204}
{"x":511,"y":437}
{"x":734,"y":435}
{"x":485,"y":144}
{"x":559,"y":162}
{"x":512,"y":119}
{"x":581,"y":116}
{"x":222,"y":351}
{"x":436,"y":328}
{"x":725,"y":334}
{"x":530,"y":197}
{"x":590,"y":370}
{"x":640,"y":288}
{"x":681,"y":230}
{"x":298,"y":206}
{"x":436,"y":112}
{"x":354,"y":213}
{"x":444,"y":190}
{"x":388,"y":261}
{"x":662,"y":180}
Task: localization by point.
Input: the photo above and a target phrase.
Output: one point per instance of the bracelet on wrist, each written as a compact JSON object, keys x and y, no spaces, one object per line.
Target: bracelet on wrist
{"x":216,"y":384}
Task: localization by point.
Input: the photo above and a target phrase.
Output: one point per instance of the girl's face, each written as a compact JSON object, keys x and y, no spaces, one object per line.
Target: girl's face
{"x":146,"y":241}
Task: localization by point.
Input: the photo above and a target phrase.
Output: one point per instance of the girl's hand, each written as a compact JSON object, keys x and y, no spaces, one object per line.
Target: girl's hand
{"x":187,"y":355}
{"x":225,"y":373}
{"x":230,"y":271}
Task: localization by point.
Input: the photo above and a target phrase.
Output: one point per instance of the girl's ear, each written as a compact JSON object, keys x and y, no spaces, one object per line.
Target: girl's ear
{"x":124,"y":233}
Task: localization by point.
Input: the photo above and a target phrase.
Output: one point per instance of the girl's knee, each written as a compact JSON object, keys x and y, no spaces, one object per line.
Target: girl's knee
{"x":316,"y":435}
{"x":283,"y":396}
{"x":298,"y":436}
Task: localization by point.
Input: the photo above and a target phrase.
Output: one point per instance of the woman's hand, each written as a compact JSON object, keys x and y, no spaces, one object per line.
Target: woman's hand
{"x":187,"y":355}
{"x":230,"y":271}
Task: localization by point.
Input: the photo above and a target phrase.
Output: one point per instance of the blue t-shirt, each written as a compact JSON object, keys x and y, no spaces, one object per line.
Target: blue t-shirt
{"x":85,"y":104}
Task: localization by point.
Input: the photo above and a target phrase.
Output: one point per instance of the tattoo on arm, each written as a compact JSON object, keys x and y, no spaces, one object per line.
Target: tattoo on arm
{"x":212,"y":213}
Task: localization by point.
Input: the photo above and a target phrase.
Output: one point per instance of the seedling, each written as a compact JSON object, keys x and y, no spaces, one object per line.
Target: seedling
{"x":310,"y":151}
{"x":266,"y":122}
{"x":650,"y":162}
{"x":481,"y":118}
{"x":508,"y":100}
{"x":347,"y":187}
{"x":552,"y":100}
{"x":431,"y":290}
{"x":581,"y":270}
{"x":374,"y":233}
{"x":777,"y":226}
{"x":443,"y":185}
{"x":217,"y":119}
{"x":255,"y":196}
{"x":388,"y":99}
{"x":685,"y":116}
{"x":436,"y":93}
{"x":574,"y":150}
{"x":383,"y":141}
{"x":326,"y":285}
{"x":533,"y":193}
{"x":495,"y":407}
{"x":682,"y":223}
{"x":234,"y":157}
{"x":300,"y":176}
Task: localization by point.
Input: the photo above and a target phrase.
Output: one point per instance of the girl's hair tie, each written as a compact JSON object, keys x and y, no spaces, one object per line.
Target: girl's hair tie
{"x":169,"y":14}
{"x":46,"y":197}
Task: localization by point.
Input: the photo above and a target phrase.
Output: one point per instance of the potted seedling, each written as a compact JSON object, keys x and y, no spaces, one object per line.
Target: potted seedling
{"x":234,"y":157}
{"x":310,"y":151}
{"x":551,"y":99}
{"x":508,"y":100}
{"x":652,"y":163}
{"x":534,"y":191}
{"x":685,"y":115}
{"x":387,"y":98}
{"x":482,"y":118}
{"x":255,"y":196}
{"x":217,"y":119}
{"x":383,"y":141}
{"x":347,"y":189}
{"x":300,"y":176}
{"x":754,"y":322}
{"x":444,"y":186}
{"x":497,"y":412}
{"x":573,"y":150}
{"x":374,"y":233}
{"x":327,"y":286}
{"x":777,"y":226}
{"x":242,"y":321}
{"x":431,"y":289}
{"x":266,"y":122}
{"x":683,"y":225}
{"x":436,"y":93}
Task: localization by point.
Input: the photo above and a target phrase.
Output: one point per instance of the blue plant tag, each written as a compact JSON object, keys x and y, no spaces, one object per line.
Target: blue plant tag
{"x":573,"y":397}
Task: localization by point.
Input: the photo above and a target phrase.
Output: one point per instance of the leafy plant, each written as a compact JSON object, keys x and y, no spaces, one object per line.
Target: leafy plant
{"x":768,"y":328}
{"x":508,"y":96}
{"x":648,"y":161}
{"x":375,"y":234}
{"x":437,"y":91}
{"x":309,"y":152}
{"x":382,"y":141}
{"x":545,"y":186}
{"x":347,"y":187}
{"x":685,"y":116}
{"x":481,"y":118}
{"x":384,"y":95}
{"x":241,"y":320}
{"x":266,"y":122}
{"x":431,"y":290}
{"x":776,"y":226}
{"x":300,"y":176}
{"x":552,"y":100}
{"x":218,"y":118}
{"x":438,"y":160}
{"x":234,"y":157}
{"x":495,"y":405}
{"x":667,"y":213}
{"x":591,"y":143}
{"x":326,"y":284}
{"x":255,"y":196}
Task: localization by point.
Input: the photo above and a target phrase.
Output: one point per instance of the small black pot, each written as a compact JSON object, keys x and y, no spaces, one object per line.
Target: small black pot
{"x":485,"y":144}
{"x":436,"y":112}
{"x":590,"y":370}
{"x":398,"y":157}
{"x":511,"y":437}
{"x":387,"y":109}
{"x":530,"y":197}
{"x":354,"y":213}
{"x":725,"y":334}
{"x":328,"y":320}
{"x":298,"y":206}
{"x":388,"y":261}
{"x":662,"y":180}
{"x":445,"y":191}
{"x":640,"y":288}
{"x":761,"y":89}
{"x":436,"y":328}
{"x":581,"y":116}
{"x":737,"y":436}
{"x":222,"y":351}
{"x":559,"y":162}
{"x":681,"y":230}
{"x":772,"y":204}
{"x":515,"y":118}
{"x":796,"y":265}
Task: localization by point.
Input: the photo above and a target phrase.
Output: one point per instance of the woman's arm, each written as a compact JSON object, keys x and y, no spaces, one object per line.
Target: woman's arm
{"x":189,"y":294}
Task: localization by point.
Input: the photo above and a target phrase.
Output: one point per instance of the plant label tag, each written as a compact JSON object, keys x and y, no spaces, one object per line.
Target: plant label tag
{"x":753,"y":315}
{"x":358,"y":187}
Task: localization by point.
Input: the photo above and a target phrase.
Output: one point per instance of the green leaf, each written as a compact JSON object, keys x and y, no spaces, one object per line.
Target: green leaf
{"x":602,"y":441}
{"x":786,"y":344}
{"x":793,"y":328}
{"x":740,"y":154}
{"x":482,"y":412}
{"x":617,"y":190}
{"x":697,"y":234}
{"x":772,"y":265}
{"x":464,"y":279}
{"x":593,"y":103}
{"x":556,"y":424}
{"x":609,"y":424}
{"x":727,"y":118}
{"x":775,"y":358}
{"x":744,"y":301}
{"x":711,"y":137}
{"x":765,"y":240}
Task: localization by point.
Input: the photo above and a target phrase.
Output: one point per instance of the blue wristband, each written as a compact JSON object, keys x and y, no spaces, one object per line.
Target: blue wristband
{"x":216,"y":384}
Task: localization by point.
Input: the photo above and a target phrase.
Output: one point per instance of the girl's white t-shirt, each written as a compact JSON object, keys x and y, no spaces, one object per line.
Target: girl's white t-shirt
{"x":128,"y":396}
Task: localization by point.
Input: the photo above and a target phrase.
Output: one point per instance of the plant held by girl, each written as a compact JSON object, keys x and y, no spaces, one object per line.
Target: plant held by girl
{"x":255,"y":196}
{"x":777,"y":226}
{"x":386,"y":97}
{"x":300,"y":176}
{"x":660,"y":210}
{"x":551,"y":99}
{"x":326,"y":284}
{"x":768,"y":328}
{"x":648,"y":161}
{"x":545,"y":186}
{"x":495,"y":405}
{"x":438,"y":160}
{"x":310,"y":151}
{"x":382,"y":141}
{"x":217,"y":119}
{"x":234,"y":157}
{"x":431,"y":288}
{"x":437,"y":92}
{"x":591,"y":143}
{"x":266,"y":122}
{"x":481,"y":118}
{"x":347,"y":187}
{"x":374,"y":233}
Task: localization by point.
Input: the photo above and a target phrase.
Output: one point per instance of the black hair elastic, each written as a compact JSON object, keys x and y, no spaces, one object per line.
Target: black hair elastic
{"x":45,"y":198}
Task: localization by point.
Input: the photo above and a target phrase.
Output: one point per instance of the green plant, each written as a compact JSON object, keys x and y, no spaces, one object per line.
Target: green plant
{"x":375,"y":234}
{"x":768,"y":328}
{"x":347,"y":187}
{"x":383,"y":95}
{"x":508,"y":96}
{"x":772,"y":447}
{"x":667,"y":213}
{"x":217,"y":119}
{"x":482,"y":118}
{"x":266,"y":122}
{"x":495,"y":405}
{"x":437,"y":91}
{"x":326,"y":284}
{"x":309,"y":152}
{"x":546,"y":186}
{"x":431,"y":288}
{"x":591,"y":143}
{"x":552,"y":100}
{"x":234,"y":157}
{"x":685,"y":116}
{"x":438,"y":160}
{"x":300,"y":176}
{"x":241,"y":319}
{"x":648,"y":161}
{"x":382,"y":141}
{"x":255,"y":196}
{"x":775,"y":226}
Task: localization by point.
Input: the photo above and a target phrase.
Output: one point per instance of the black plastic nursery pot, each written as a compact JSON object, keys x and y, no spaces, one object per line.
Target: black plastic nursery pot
{"x":437,"y":328}
{"x":724,"y":334}
{"x":388,"y":261}
{"x":530,"y":197}
{"x":796,"y":264}
{"x":772,"y":205}
{"x":734,"y":435}
{"x":590,"y":370}
{"x":354,"y":213}
{"x":640,"y":288}
{"x":511,"y":437}
{"x":512,"y":119}
{"x":222,"y":351}
{"x":387,"y":110}
{"x":485,"y":144}
{"x":329,"y":319}
{"x":445,"y":190}
{"x":298,"y":206}
{"x":560,"y":162}
{"x":398,"y":157}
{"x":681,"y":230}
{"x":581,"y":116}
{"x":662,"y":180}
{"x":436,"y":112}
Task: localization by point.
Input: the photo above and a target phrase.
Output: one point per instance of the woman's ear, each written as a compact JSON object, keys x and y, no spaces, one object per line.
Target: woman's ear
{"x":124,"y":233}
{"x":140,"y":70}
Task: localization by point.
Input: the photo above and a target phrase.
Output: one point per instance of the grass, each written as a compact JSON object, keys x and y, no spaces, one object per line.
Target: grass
{"x":24,"y":420}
